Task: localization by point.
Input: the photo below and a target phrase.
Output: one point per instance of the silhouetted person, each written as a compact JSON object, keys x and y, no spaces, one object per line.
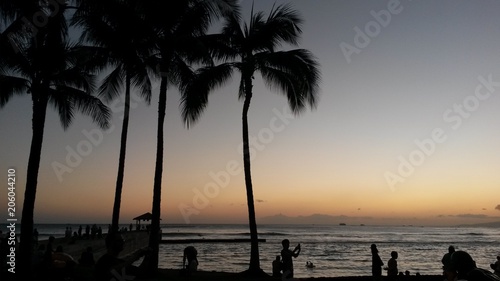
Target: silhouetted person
{"x":87,"y":231}
{"x":49,"y":250}
{"x":87,"y":257}
{"x":392,"y":265}
{"x":277,"y":266}
{"x":309,"y":264}
{"x":466,"y":268}
{"x":99,"y":232}
{"x":446,"y":261}
{"x":286,"y":256}
{"x":60,"y":259}
{"x":62,"y":264}
{"x":35,"y":237}
{"x":110,"y":266}
{"x":496,"y":266}
{"x":37,"y":259}
{"x":376,"y":263}
{"x":191,"y":256}
{"x":80,"y":231}
{"x":93,"y":231}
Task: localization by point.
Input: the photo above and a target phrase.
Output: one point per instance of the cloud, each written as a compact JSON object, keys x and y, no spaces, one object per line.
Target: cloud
{"x":497,"y":207}
{"x":472,"y":216}
{"x":260,"y":201}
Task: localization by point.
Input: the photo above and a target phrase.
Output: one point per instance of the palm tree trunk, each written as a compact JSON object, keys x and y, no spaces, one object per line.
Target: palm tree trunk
{"x":121,"y":161}
{"x":155,"y":234}
{"x":26,"y":246}
{"x":254,"y":249}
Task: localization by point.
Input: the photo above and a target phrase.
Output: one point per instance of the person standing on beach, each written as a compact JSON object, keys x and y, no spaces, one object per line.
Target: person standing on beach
{"x":448,"y":271}
{"x":286,"y":256}
{"x":191,"y":256}
{"x":392,"y":269}
{"x":376,"y":264}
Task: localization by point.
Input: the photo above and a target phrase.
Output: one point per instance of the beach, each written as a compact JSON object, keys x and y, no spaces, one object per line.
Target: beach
{"x":170,"y":274}
{"x":338,"y":252}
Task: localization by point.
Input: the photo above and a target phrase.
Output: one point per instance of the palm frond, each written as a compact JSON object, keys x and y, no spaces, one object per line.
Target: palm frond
{"x":141,"y":80}
{"x":295,"y":73}
{"x":88,"y":105}
{"x":195,"y":91}
{"x":58,"y":99}
{"x":75,"y":77}
{"x":112,"y":84}
{"x":282,"y":26}
{"x":183,"y":71}
{"x":10,"y":86}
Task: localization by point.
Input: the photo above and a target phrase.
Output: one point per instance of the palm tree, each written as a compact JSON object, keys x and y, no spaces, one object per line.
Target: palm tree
{"x":250,"y":48}
{"x":118,"y":40}
{"x":178,"y":26}
{"x":47,"y":67}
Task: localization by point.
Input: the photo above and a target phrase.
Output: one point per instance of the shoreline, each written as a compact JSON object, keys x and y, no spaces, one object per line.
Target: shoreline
{"x":175,"y":274}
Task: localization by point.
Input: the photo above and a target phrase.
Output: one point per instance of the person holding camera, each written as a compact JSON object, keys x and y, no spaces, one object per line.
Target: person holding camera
{"x":286,"y":257}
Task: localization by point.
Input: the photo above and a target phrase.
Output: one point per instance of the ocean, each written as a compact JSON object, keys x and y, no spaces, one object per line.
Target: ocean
{"x":335,"y":250}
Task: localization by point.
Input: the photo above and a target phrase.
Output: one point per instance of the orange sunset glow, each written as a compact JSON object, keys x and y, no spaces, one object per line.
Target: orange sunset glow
{"x":406,"y":132}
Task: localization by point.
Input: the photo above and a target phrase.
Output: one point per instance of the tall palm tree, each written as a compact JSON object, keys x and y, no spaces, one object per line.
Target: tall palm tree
{"x":250,"y":48}
{"x":47,"y":67}
{"x":118,"y":40}
{"x":178,"y":26}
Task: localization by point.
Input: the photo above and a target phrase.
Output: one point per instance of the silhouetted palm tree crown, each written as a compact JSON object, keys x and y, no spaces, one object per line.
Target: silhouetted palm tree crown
{"x":43,"y":64}
{"x":177,"y":26}
{"x":251,"y":48}
{"x":119,"y":40}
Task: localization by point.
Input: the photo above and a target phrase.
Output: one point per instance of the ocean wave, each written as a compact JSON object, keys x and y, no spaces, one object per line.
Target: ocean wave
{"x":473,"y":234}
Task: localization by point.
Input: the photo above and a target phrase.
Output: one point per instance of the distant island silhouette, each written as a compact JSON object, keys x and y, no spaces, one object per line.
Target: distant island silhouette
{"x":356,"y":220}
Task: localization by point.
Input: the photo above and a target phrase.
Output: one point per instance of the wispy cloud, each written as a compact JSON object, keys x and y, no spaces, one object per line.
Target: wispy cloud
{"x":260,"y":201}
{"x":497,"y":207}
{"x":472,"y":216}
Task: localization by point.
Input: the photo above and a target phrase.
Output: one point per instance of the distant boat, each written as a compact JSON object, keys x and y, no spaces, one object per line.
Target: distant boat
{"x":342,"y":223}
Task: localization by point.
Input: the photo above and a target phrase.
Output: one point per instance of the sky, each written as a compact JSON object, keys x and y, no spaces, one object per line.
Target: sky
{"x":406,"y":131}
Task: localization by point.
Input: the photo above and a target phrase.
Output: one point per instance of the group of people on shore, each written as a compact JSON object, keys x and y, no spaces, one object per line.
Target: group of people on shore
{"x":377,"y":264}
{"x":457,"y":265}
{"x":283,"y":265}
{"x":51,"y":263}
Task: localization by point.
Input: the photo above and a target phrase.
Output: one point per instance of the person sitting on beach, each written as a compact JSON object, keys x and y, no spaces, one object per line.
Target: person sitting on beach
{"x":87,"y":257}
{"x":277,"y":266}
{"x":191,"y":255}
{"x":60,"y":259}
{"x":286,"y":256}
{"x":109,"y":265}
{"x":465,"y":267}
{"x":62,"y":266}
{"x":309,"y":264}
{"x":376,"y":263}
{"x":392,"y":265}
{"x":496,"y":266}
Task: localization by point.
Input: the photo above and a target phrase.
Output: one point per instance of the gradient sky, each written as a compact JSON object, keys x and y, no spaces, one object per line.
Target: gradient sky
{"x":407,"y":127}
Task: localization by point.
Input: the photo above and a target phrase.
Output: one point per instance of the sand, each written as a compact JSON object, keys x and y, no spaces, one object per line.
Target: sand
{"x":171,"y":274}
